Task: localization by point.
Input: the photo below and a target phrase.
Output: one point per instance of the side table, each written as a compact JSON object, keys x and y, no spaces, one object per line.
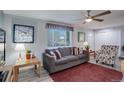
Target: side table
{"x":90,"y":52}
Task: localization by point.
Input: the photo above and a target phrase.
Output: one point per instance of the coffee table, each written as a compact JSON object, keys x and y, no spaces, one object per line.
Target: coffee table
{"x":25,"y":63}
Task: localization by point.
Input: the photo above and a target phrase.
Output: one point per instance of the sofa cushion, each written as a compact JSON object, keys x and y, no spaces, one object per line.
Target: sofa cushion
{"x":66,"y":51}
{"x":66,"y":59}
{"x":81,"y":56}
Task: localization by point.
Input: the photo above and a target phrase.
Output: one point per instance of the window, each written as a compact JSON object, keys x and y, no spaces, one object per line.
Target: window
{"x":59,"y":37}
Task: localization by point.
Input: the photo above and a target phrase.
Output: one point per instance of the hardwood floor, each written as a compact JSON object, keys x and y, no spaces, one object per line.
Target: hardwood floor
{"x":31,"y":76}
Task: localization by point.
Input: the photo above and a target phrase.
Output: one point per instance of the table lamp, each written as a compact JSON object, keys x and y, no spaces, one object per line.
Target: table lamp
{"x":19,"y":48}
{"x":86,"y":45}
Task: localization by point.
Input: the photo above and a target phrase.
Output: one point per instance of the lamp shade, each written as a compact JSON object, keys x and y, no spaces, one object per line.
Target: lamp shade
{"x":19,"y":47}
{"x":85,"y":43}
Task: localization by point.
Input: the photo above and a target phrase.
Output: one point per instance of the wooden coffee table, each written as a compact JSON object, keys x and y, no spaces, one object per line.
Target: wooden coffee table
{"x":26,"y":63}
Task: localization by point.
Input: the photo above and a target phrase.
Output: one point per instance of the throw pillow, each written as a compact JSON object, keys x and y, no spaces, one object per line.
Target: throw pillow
{"x":80,"y":51}
{"x":72,"y":50}
{"x":59,"y":53}
{"x":75,"y":51}
{"x":56,"y":54}
{"x":53,"y":54}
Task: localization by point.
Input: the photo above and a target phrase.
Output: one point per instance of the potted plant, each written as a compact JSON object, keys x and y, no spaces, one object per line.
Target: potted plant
{"x":28,"y":54}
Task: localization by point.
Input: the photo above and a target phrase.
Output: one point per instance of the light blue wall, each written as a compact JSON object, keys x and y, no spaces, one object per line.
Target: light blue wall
{"x":1,"y":19}
{"x":40,"y":40}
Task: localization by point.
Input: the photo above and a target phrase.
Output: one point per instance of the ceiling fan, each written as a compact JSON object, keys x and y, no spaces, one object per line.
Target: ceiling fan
{"x":90,"y":18}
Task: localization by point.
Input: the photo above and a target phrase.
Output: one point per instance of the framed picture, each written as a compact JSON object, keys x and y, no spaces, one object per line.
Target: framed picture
{"x":2,"y":36}
{"x":2,"y":45}
{"x":23,"y":34}
{"x":81,"y":36}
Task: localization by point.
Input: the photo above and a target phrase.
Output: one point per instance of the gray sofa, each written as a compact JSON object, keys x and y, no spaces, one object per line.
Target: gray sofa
{"x":68,"y":60}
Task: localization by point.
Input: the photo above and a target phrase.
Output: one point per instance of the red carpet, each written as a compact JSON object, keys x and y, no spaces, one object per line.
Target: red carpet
{"x":87,"y":72}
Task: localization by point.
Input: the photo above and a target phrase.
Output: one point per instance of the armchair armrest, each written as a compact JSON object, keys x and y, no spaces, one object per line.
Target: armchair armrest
{"x":98,"y":52}
{"x":113,"y":56}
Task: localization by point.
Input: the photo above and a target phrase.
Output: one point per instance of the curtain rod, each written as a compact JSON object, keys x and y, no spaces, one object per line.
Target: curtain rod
{"x":59,"y":23}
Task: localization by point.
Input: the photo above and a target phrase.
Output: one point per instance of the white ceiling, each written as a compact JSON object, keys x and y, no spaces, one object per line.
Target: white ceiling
{"x":116,"y":18}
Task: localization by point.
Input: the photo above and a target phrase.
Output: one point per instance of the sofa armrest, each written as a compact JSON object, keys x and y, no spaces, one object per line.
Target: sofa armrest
{"x":48,"y":60}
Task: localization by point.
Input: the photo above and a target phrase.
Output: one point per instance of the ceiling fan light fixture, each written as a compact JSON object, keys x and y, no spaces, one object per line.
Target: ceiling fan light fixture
{"x":88,"y":20}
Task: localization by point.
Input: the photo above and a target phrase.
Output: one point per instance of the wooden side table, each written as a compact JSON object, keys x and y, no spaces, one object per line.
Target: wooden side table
{"x":26,"y":63}
{"x":90,"y":52}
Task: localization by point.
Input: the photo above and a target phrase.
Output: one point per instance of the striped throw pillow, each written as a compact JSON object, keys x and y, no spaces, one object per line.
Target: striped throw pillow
{"x":58,"y":54}
{"x":76,"y":51}
{"x":53,"y":54}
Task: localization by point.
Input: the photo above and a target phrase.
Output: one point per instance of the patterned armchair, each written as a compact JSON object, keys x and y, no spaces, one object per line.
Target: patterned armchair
{"x":107,"y":54}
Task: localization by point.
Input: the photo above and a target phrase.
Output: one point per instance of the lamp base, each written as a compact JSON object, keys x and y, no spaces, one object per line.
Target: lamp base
{"x":87,"y":49}
{"x":20,"y":58}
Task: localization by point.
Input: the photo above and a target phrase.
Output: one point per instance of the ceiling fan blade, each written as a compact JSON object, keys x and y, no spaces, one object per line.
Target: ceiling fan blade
{"x":101,"y":14}
{"x":99,"y":20}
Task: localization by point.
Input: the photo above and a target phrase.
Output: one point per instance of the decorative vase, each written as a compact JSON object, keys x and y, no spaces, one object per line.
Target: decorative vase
{"x":28,"y":55}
